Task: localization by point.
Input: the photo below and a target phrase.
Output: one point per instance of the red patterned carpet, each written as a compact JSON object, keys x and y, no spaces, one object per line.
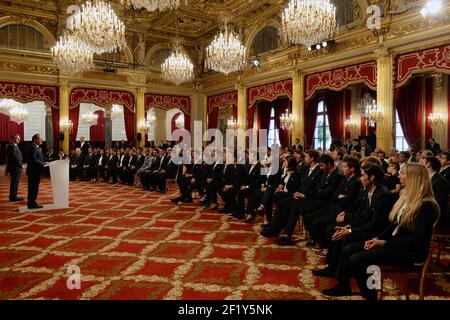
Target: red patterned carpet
{"x":131,"y":244}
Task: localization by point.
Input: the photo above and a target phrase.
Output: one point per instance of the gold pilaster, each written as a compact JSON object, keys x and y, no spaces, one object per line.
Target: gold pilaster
{"x":140,"y":114}
{"x":440,"y":107}
{"x":298,"y":105}
{"x":385,"y":97}
{"x":64,"y":113}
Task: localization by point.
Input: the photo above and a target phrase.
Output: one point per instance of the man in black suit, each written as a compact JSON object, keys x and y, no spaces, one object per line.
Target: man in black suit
{"x":84,"y":147}
{"x":366,"y":150}
{"x":441,"y":189}
{"x":297,"y":145}
{"x":307,"y":191}
{"x":15,"y":166}
{"x":355,"y":146}
{"x":433,"y":146}
{"x":342,"y":200}
{"x":35,"y":166}
{"x":444,"y":158}
{"x":371,"y":217}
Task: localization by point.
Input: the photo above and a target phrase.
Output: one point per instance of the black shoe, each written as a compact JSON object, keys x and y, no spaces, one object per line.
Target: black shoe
{"x":370,"y":295}
{"x":224,"y":210}
{"x":284,"y":241}
{"x":15,"y":199}
{"x":317,"y":247}
{"x":338,"y":290}
{"x":175,"y":201}
{"x":35,"y":206}
{"x":188,"y":200}
{"x":325,"y":272}
{"x":267,"y":233}
{"x":238,"y":216}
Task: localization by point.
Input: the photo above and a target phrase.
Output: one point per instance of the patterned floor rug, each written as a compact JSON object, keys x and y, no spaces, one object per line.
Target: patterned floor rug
{"x":132,"y":244}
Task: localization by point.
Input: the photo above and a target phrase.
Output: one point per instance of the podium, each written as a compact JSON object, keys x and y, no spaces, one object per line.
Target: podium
{"x":59,"y":175}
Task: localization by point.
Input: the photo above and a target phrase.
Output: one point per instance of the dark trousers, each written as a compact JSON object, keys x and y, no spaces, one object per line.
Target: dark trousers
{"x":241,"y":196}
{"x":254,"y":200}
{"x":270,"y":197}
{"x":162,"y":179}
{"x":33,"y":188}
{"x":14,"y":185}
{"x":355,"y":261}
{"x":286,"y":216}
{"x":318,"y":227}
{"x":229,"y":198}
{"x":211,"y":192}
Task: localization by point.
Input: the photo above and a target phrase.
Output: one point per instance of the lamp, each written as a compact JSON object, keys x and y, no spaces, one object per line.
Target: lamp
{"x":436,"y":120}
{"x":350,"y":124}
{"x":232,"y":123}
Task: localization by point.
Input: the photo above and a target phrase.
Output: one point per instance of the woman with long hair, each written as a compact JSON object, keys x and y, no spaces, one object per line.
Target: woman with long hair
{"x":404,"y":242}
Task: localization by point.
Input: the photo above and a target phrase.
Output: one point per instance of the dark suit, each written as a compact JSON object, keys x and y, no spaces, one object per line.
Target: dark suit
{"x":404,"y":248}
{"x":349,"y":188}
{"x":445,"y":173}
{"x":367,"y":150}
{"x":35,"y":166}
{"x":367,"y":222}
{"x":356,"y":147}
{"x":84,"y":148}
{"x":14,"y":164}
{"x":435,"y":148}
{"x":288,"y":209}
{"x":441,"y":191}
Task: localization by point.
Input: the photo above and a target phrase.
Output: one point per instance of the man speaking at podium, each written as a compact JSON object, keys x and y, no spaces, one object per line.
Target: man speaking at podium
{"x":35,"y":167}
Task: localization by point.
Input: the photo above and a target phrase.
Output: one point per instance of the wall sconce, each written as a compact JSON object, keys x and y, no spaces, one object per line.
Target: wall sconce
{"x":232,"y":124}
{"x":66,"y":124}
{"x":350,"y":124}
{"x":436,"y":120}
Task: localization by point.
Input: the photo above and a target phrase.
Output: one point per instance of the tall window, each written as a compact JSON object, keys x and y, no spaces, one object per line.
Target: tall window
{"x":272,"y":137}
{"x":400,"y":141}
{"x":266,"y":39}
{"x":322,"y":135}
{"x":22,"y":37}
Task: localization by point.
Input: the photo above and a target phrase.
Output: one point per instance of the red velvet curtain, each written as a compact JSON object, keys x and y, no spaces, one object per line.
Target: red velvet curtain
{"x":187,"y":122}
{"x":334,"y":101}
{"x":234,"y":112}
{"x":280,"y":107}
{"x":130,"y":125}
{"x":310,"y":113}
{"x":428,"y":106}
{"x":74,"y":115}
{"x":408,"y":102}
{"x":55,"y":124}
{"x":448,"y":110}
{"x":264,"y":109}
{"x":250,"y":117}
{"x":8,"y":128}
{"x":213,"y":118}
{"x":97,"y":132}
{"x":348,"y":108}
{"x":173,"y":122}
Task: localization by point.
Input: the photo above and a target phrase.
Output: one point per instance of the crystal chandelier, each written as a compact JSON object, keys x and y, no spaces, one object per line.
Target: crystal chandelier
{"x":153,"y":5}
{"x":177,"y":68}
{"x":232,"y":123}
{"x":98,"y":26}
{"x":225,"y":54}
{"x":308,"y":22}
{"x":7,"y":104}
{"x":89,"y":118}
{"x":71,"y":56}
{"x":368,"y":109}
{"x":116,"y":111}
{"x":18,"y":114}
{"x":179,"y":121}
{"x":287,"y":121}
